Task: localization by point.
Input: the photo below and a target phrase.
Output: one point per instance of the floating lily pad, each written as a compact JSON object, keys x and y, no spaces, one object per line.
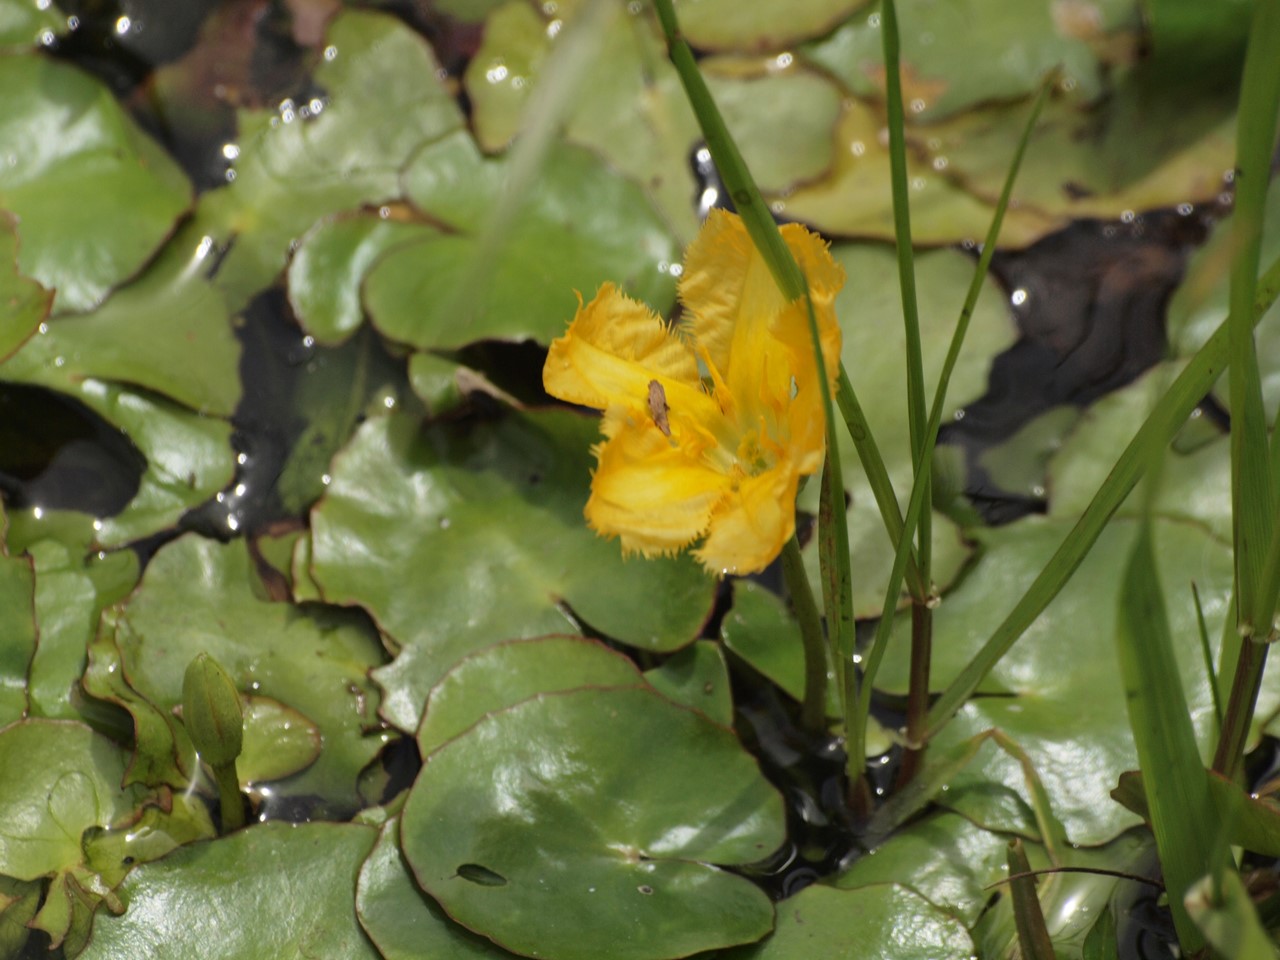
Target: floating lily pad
{"x":944,"y":858}
{"x":504,"y":674}
{"x":581,"y":226}
{"x":874,"y":354}
{"x":25,"y":302}
{"x":1067,"y":657}
{"x":567,"y":826}
{"x":855,"y":199}
{"x":404,"y":922}
{"x":94,"y":195}
{"x":61,"y":779}
{"x":278,"y":741}
{"x":378,"y":96}
{"x":275,"y":891}
{"x":957,"y":55}
{"x":157,"y":832}
{"x":1083,"y":163}
{"x":727,"y":25}
{"x":332,"y":259}
{"x":631,"y":109}
{"x":73,"y":585}
{"x":868,"y":923}
{"x":18,"y":628}
{"x":189,"y":456}
{"x":198,"y":596}
{"x":696,"y":677}
{"x":460,"y":534}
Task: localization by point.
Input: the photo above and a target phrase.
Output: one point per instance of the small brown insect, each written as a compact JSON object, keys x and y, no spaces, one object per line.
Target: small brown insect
{"x":658,"y":407}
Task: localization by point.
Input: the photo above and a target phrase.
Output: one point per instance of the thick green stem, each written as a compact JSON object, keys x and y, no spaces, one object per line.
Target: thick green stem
{"x":917,"y":692}
{"x":814,"y":707}
{"x":230,"y":801}
{"x":1229,"y":756}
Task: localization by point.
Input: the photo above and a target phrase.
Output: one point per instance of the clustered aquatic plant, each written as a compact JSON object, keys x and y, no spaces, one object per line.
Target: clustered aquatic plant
{"x":574,"y":720}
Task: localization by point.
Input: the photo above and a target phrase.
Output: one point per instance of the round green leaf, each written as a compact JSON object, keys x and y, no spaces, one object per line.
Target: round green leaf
{"x":459,"y":534}
{"x":18,"y":628}
{"x":869,"y":923}
{"x":584,"y":824}
{"x":855,"y":199}
{"x":278,"y":741}
{"x":377,"y":97}
{"x":94,"y":195}
{"x":275,"y":891}
{"x":960,"y":54}
{"x":60,"y":779}
{"x":506,"y":673}
{"x":331,"y":262}
{"x":26,"y":303}
{"x":197,"y":596}
{"x":404,"y":923}
{"x":696,"y":677}
{"x":580,"y":225}
{"x":732,"y":25}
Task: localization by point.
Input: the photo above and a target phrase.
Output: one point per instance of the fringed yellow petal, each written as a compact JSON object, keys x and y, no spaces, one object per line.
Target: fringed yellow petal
{"x":649,"y":491}
{"x":751,"y":525}
{"x":611,"y":351}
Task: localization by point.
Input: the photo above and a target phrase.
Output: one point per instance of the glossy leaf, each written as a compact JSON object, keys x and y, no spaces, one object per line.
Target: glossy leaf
{"x":696,"y":677}
{"x":505,"y":674}
{"x":26,"y":303}
{"x":198,"y":596}
{"x":885,"y":920}
{"x":460,"y":534}
{"x":570,"y":876}
{"x":723,"y":24}
{"x":343,"y":148}
{"x":404,"y":922}
{"x":584,"y":225}
{"x":27,"y":24}
{"x":94,"y":195}
{"x":18,"y":628}
{"x":284,"y":891}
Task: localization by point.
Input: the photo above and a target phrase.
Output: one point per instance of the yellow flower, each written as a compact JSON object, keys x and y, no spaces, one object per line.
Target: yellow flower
{"x":708,"y":426}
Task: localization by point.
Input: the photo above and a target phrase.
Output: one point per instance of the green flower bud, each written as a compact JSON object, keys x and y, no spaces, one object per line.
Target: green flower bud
{"x":211,"y":711}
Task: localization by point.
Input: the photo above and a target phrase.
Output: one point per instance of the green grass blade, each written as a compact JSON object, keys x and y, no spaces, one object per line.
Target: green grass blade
{"x":1228,"y":920}
{"x":1176,"y":784}
{"x":1172,"y":410}
{"x":1028,"y":918}
{"x":920,"y":487}
{"x":1206,"y":651}
{"x":1253,"y":496}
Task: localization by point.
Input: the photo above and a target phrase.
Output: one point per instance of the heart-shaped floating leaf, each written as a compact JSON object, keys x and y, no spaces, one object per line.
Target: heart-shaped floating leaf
{"x":18,"y":628}
{"x":377,"y":97}
{"x":26,"y":303}
{"x":270,"y":892}
{"x":696,"y":677}
{"x":196,"y":597}
{"x":586,"y":824}
{"x":404,"y":923}
{"x":726,"y":25}
{"x":580,"y":225}
{"x":459,"y":534}
{"x":869,"y":923}
{"x":94,"y":195}
{"x":506,"y":673}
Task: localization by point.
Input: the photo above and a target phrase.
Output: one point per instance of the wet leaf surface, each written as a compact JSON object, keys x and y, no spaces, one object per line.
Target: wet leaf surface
{"x":274,"y":891}
{"x":696,"y":677}
{"x":26,"y":303}
{"x":885,"y":920}
{"x":198,"y":596}
{"x":97,"y":198}
{"x":582,"y":226}
{"x":488,"y":517}
{"x":521,"y":797}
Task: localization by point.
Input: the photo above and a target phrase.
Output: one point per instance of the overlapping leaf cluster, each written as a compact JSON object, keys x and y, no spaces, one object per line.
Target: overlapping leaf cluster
{"x":440,"y":594}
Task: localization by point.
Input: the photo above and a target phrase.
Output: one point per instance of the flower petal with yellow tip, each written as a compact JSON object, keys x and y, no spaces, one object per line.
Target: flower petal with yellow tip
{"x":709,"y":428}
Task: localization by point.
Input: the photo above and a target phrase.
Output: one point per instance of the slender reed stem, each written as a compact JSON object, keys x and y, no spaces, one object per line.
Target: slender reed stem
{"x":814,"y":706}
{"x":917,"y":691}
{"x":1229,"y":756}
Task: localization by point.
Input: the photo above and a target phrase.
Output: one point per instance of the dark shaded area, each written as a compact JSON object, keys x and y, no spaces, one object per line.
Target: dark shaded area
{"x":1089,"y":303}
{"x":57,"y":454}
